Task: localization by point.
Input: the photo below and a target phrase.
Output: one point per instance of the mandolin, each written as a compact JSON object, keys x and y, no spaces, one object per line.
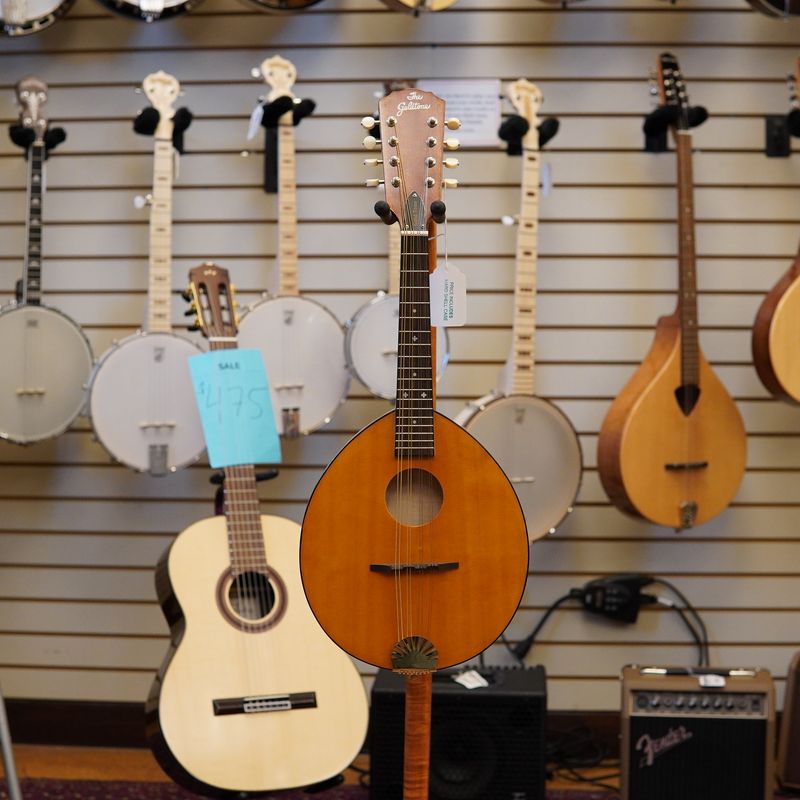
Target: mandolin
{"x":672,"y":447}
{"x":301,"y":341}
{"x":252,"y":695}
{"x":141,"y":398}
{"x":777,"y":328}
{"x":22,"y":17}
{"x":46,"y":359}
{"x":413,"y":551}
{"x":532,"y":439}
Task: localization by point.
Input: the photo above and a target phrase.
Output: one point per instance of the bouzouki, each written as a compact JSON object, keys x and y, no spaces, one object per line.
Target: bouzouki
{"x":21,"y":17}
{"x":532,"y":440}
{"x":413,"y":552}
{"x":672,"y":448}
{"x":141,"y":397}
{"x":776,"y":329}
{"x":252,"y":695}
{"x":46,"y":359}
{"x":301,"y":341}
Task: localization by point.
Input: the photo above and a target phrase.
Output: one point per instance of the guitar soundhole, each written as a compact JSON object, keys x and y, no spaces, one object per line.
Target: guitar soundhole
{"x":252,"y":596}
{"x":414,"y":497}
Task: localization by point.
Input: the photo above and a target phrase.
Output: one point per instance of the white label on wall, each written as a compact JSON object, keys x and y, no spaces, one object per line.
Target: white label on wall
{"x":448,"y":295}
{"x":476,"y":103}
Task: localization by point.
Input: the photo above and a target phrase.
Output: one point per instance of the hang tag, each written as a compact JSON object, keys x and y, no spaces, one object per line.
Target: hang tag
{"x":448,"y":297}
{"x":471,"y":679}
{"x":232,"y":395}
{"x":255,"y":121}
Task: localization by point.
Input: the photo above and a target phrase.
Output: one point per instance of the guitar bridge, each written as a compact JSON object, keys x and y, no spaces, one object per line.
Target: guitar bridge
{"x":688,"y":514}
{"x":291,"y":422}
{"x":440,"y":566}
{"x":687,"y":466}
{"x":264,"y":703}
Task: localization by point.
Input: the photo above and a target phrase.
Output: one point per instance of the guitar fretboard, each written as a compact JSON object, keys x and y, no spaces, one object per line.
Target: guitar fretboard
{"x":159,"y":289}
{"x":687,"y":288}
{"x":287,"y":209}
{"x":32,"y":272}
{"x":414,"y":410}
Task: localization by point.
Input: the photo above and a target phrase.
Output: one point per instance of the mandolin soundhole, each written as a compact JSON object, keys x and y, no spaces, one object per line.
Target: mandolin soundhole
{"x":414,"y":497}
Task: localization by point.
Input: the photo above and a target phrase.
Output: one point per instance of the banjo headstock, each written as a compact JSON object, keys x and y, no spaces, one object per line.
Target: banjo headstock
{"x":526,"y":97}
{"x":280,"y":75}
{"x":32,"y":95}
{"x":162,"y":90}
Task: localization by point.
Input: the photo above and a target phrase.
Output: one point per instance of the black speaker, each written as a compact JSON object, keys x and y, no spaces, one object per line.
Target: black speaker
{"x":789,"y":740}
{"x":486,"y":743}
{"x":697,"y":734}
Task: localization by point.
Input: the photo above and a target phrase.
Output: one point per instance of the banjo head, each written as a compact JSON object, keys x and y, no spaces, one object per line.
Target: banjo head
{"x":537,"y":447}
{"x":302,"y":344}
{"x":371,"y":346}
{"x":23,"y":17}
{"x":44,"y":373}
{"x":142,"y":403}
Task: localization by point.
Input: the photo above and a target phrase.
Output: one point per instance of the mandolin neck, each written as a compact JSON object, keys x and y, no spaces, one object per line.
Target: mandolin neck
{"x":687,"y":271}
{"x":524,"y":323}
{"x":159,"y":288}
{"x":288,"y":282}
{"x":415,"y":401}
{"x":417,"y":750}
{"x":32,"y":269}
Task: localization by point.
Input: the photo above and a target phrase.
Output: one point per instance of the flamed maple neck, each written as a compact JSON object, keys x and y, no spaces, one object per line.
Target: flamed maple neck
{"x":32,"y":270}
{"x":159,"y":289}
{"x":687,"y":267}
{"x":524,"y":323}
{"x":287,"y":208}
{"x":415,"y":400}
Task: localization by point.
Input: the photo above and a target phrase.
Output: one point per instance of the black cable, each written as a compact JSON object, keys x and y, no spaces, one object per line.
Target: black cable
{"x":693,"y":611}
{"x":511,"y":650}
{"x":522,"y":648}
{"x":692,"y":630}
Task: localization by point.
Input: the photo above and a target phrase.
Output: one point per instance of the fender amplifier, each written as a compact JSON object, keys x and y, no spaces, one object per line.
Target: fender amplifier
{"x":697,"y":734}
{"x":789,"y":740}
{"x":486,"y":743}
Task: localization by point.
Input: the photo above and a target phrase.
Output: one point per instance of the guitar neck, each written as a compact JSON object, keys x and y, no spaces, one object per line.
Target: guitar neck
{"x":415,"y":400}
{"x":524,"y":324}
{"x":417,"y":752}
{"x":32,"y":270}
{"x":394,"y":259}
{"x":287,"y":209}
{"x":687,"y":271}
{"x":159,"y":289}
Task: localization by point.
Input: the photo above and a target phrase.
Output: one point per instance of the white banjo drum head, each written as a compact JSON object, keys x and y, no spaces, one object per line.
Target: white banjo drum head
{"x":303,"y":348}
{"x":371,"y":346}
{"x":45,"y":362}
{"x":21,"y":17}
{"x":142,"y":403}
{"x":537,"y":448}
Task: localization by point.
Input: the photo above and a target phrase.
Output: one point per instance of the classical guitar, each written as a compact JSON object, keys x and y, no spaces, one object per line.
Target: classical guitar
{"x":532,"y":439}
{"x":46,"y":359}
{"x":672,"y":447}
{"x":252,"y":695}
{"x":21,"y":17}
{"x":141,"y":397}
{"x":777,"y":327}
{"x":301,"y":341}
{"x":414,"y":552}
{"x":150,"y":10}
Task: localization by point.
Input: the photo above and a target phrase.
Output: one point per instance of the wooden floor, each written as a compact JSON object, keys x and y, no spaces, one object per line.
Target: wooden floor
{"x":115,"y":764}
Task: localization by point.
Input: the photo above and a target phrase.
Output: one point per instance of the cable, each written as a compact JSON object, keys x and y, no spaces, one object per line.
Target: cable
{"x":667,"y":603}
{"x":692,"y":610}
{"x":522,"y":648}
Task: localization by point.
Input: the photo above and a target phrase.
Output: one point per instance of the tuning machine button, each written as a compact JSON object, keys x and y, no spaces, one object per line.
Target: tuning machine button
{"x":142,"y":200}
{"x":453,"y":124}
{"x":450,"y":183}
{"x":452,"y":143}
{"x":186,"y":294}
{"x":371,"y":143}
{"x":373,"y":182}
{"x":451,"y":163}
{"x":368,"y":122}
{"x":373,"y":162}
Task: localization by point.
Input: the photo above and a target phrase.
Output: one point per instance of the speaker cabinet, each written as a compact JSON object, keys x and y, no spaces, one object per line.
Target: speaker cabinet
{"x":486,"y":743}
{"x":789,"y":741}
{"x":697,"y":734}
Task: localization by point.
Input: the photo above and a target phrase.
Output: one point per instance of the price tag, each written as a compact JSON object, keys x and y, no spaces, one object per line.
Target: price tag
{"x":233,"y":399}
{"x":448,"y":297}
{"x":255,"y":121}
{"x":476,"y":102}
{"x":471,"y":679}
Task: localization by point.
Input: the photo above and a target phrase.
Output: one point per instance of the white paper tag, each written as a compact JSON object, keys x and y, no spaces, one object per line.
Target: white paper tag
{"x":546,"y":178}
{"x":471,"y":679}
{"x":712,"y":681}
{"x":476,"y":102}
{"x":255,"y":121}
{"x":448,"y":297}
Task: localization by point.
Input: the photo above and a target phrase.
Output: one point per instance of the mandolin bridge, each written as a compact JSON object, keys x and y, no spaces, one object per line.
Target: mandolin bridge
{"x":438,"y":566}
{"x":259,"y":704}
{"x":686,"y":466}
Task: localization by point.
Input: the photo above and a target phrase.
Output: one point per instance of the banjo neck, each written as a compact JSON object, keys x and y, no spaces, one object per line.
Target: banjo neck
{"x":287,"y":208}
{"x":32,"y":269}
{"x":159,"y":286}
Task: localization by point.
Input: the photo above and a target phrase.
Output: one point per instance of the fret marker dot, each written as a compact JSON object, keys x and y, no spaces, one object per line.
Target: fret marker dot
{"x":424,"y":394}
{"x":405,"y":394}
{"x":414,"y":339}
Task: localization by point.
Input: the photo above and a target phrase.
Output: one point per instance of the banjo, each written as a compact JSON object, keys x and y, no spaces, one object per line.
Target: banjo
{"x":301,"y":341}
{"x":281,"y":6}
{"x":46,"y":360}
{"x":141,"y":397}
{"x":531,"y":439}
{"x":21,"y":17}
{"x":150,"y":10}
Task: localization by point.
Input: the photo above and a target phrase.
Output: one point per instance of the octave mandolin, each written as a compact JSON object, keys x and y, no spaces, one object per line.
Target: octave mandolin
{"x":672,"y":448}
{"x":531,"y":438}
{"x":776,"y":329}
{"x":46,"y":359}
{"x":413,"y":551}
{"x":252,"y":695}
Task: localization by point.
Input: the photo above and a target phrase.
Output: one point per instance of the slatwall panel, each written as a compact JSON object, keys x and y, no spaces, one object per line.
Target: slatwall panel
{"x":79,"y":536}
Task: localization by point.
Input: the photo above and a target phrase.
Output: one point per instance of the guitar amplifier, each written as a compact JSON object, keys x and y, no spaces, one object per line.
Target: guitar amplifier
{"x":486,"y":743}
{"x":697,"y":734}
{"x":789,"y":740}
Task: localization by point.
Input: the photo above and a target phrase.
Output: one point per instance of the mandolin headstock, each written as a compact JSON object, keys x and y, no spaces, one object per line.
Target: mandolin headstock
{"x":162,"y":90}
{"x":32,"y":95}
{"x":672,"y":90}
{"x":212,"y":299}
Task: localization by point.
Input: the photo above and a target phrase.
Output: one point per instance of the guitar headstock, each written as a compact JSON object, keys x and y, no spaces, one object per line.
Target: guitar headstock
{"x":162,"y":90}
{"x":672,"y":90}
{"x":413,"y":129}
{"x":212,"y":299}
{"x":280,"y":75}
{"x":32,"y":95}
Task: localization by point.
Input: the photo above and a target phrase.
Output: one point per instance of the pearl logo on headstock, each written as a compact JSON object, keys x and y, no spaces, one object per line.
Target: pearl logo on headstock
{"x":411,"y":103}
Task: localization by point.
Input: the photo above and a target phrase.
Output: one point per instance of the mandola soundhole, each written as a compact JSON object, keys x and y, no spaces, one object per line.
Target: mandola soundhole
{"x":251,"y":595}
{"x":414,"y":496}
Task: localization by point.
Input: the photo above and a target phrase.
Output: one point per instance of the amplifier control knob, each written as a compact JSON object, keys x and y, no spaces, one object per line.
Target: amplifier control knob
{"x":679,"y":701}
{"x":742,"y":703}
{"x":692,"y":702}
{"x":667,"y":702}
{"x":656,"y":701}
{"x":729,"y":703}
{"x":642,"y":701}
{"x":705,"y":703}
{"x":717,"y":702}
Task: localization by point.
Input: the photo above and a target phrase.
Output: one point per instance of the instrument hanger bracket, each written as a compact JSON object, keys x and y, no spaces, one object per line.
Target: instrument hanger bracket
{"x":658,"y":122}
{"x":515,"y":127}
{"x":147,"y":120}
{"x":272,"y":113}
{"x":24,"y":137}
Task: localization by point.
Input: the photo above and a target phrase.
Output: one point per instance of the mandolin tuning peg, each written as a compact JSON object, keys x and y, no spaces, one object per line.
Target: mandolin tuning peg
{"x":372,"y":162}
{"x":451,"y":163}
{"x":255,"y":72}
{"x":190,"y":313}
{"x":142,"y":200}
{"x":372,"y":182}
{"x":195,"y":327}
{"x":453,"y":124}
{"x":186,"y":294}
{"x":509,"y":220}
{"x":452,"y":144}
{"x":371,"y":143}
{"x":450,"y":183}
{"x":368,"y":122}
